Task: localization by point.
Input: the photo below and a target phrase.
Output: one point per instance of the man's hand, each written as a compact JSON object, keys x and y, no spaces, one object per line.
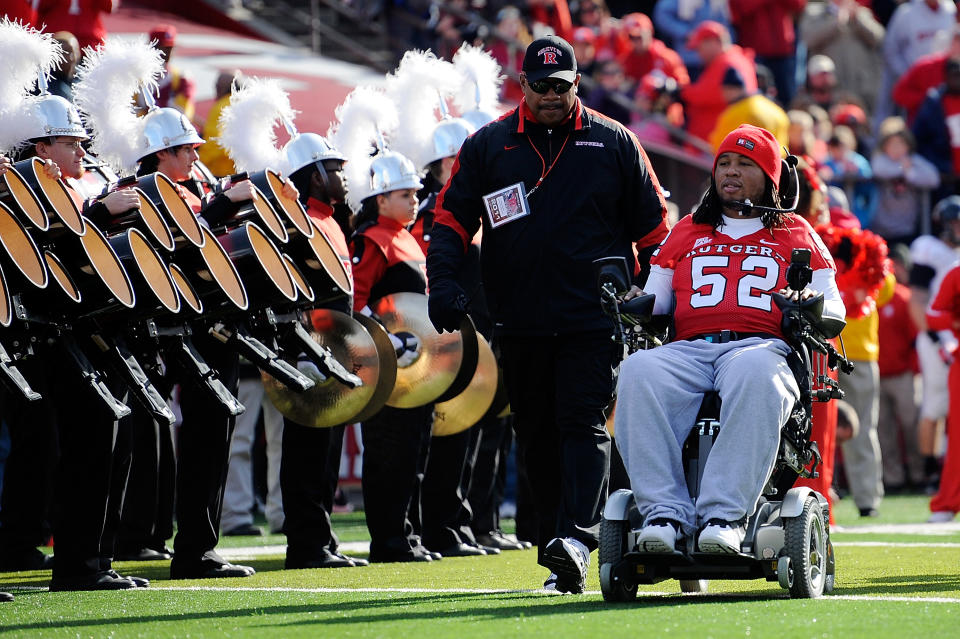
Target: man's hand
{"x":51,"y":169}
{"x":121,"y":201}
{"x":447,"y":305}
{"x":5,"y":164}
{"x":635,"y":291}
{"x":796,"y":296}
{"x":241,"y":191}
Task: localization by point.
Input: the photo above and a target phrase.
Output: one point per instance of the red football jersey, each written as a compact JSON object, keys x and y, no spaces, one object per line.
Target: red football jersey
{"x":722,"y":283}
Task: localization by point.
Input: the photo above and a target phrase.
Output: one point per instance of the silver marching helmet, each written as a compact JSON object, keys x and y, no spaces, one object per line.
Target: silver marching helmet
{"x":478,"y":118}
{"x":447,"y":138}
{"x":164,"y":128}
{"x":307,"y":148}
{"x":56,"y":117}
{"x":391,"y":171}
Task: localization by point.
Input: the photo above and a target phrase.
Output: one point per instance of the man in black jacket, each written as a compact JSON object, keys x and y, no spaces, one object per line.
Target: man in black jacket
{"x":555,"y":186}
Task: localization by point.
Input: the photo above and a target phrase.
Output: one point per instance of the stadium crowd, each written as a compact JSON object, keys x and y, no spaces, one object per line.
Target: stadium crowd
{"x":867,"y":94}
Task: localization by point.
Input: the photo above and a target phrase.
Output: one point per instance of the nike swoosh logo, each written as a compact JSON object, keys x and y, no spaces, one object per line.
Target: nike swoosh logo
{"x":770,"y":243}
{"x":510,"y":148}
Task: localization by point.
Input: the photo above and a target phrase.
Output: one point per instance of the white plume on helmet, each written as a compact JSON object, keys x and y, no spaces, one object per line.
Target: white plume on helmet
{"x":478,"y":97}
{"x":248,"y":122}
{"x":107,"y":81}
{"x":364,"y":120}
{"x":419,"y":87}
{"x":25,"y":55}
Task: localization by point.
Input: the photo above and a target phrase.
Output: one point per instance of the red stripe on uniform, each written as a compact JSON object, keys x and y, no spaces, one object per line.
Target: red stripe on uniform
{"x":445,"y":217}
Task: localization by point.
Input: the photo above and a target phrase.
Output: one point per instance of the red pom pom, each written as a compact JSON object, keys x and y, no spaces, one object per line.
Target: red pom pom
{"x":862,"y":265}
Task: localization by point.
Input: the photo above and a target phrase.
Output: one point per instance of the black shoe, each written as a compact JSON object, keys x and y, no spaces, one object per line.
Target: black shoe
{"x":5,"y":596}
{"x":141,"y":554}
{"x":569,"y":564}
{"x":208,"y":568}
{"x":490,"y":550}
{"x":435,"y":556}
{"x":325,"y":559}
{"x":139,"y":582}
{"x":869,"y":512}
{"x":101,"y":580}
{"x":32,"y":559}
{"x":462,"y":550}
{"x":246,"y":530}
{"x":397,"y":557}
{"x":495,"y":539}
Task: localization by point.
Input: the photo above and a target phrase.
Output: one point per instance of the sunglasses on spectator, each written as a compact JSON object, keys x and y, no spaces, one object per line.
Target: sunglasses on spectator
{"x":542,"y":86}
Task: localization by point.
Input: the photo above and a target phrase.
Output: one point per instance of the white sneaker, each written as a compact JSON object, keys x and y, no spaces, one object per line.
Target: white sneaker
{"x":660,"y":535}
{"x":551,"y":583}
{"x":941,"y":517}
{"x":721,"y":537}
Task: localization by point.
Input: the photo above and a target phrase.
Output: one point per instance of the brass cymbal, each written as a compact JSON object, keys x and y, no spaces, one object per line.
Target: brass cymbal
{"x":330,"y":402}
{"x":468,"y":365}
{"x":439,"y":355}
{"x":388,"y":367}
{"x":466,"y":409}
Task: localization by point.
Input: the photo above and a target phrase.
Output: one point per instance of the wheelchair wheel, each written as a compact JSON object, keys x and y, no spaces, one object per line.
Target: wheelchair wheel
{"x":613,"y":546}
{"x":805,"y":539}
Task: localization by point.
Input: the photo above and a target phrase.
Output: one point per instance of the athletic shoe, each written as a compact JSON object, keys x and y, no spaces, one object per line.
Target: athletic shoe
{"x":941,"y":517}
{"x":551,"y":583}
{"x":569,"y":559}
{"x":659,"y":535}
{"x":721,"y":537}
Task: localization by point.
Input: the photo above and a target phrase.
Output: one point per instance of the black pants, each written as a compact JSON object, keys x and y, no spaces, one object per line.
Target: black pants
{"x":30,"y":471}
{"x":446,"y":511}
{"x":488,"y":476}
{"x":309,"y":471}
{"x":204,"y":447}
{"x":147,"y":517}
{"x":558,"y":388}
{"x":396,"y":442}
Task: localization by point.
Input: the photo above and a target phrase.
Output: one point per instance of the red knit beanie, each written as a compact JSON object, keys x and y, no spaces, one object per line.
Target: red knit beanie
{"x":757,"y":144}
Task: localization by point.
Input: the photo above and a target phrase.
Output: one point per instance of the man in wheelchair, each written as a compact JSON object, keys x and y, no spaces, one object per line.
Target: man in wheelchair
{"x":719,"y":272}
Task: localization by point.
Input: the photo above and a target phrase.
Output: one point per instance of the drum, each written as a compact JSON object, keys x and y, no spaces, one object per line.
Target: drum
{"x":163,"y":194}
{"x":54,"y":198}
{"x":153,"y":286}
{"x":291,"y":211}
{"x":321,"y":266}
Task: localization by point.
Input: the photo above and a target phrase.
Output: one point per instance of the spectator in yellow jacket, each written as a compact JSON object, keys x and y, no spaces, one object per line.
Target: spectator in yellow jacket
{"x":747,"y":108}
{"x":212,"y":154}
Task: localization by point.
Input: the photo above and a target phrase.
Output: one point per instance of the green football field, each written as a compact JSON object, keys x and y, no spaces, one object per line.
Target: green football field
{"x":895,"y":578}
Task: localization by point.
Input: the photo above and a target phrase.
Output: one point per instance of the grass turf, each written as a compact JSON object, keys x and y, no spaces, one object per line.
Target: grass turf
{"x":871,"y":582}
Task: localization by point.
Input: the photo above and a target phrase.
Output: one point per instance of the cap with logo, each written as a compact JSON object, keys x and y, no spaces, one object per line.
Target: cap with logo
{"x":164,"y":34}
{"x":755,"y":143}
{"x":550,"y":57}
{"x":705,"y":30}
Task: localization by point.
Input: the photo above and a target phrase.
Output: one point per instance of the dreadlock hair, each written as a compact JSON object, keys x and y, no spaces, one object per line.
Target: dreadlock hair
{"x":710,"y":209}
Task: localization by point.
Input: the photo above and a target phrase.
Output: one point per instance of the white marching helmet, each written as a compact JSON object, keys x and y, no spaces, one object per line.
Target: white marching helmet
{"x":308,"y":148}
{"x":166,"y":127}
{"x":447,"y":138}
{"x":478,"y":118}
{"x":391,"y":171}
{"x":55,"y":116}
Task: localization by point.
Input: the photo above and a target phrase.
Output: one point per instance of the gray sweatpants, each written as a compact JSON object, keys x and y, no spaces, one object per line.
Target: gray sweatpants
{"x":659,"y":395}
{"x":861,"y":455}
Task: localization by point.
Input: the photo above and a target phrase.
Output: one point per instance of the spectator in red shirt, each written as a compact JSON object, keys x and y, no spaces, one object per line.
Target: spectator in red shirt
{"x":925,"y":74}
{"x":24,"y":11}
{"x":899,"y":383}
{"x":511,"y":28}
{"x":703,"y":99}
{"x":82,"y":18}
{"x":610,"y":42}
{"x":930,"y":126}
{"x":648,"y":54}
{"x":767,"y":27}
{"x":585,"y":51}
{"x":554,"y":14}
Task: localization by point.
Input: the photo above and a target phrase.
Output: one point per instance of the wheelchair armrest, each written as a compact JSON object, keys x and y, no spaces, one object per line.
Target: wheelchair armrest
{"x":639,"y":308}
{"x":812,"y":311}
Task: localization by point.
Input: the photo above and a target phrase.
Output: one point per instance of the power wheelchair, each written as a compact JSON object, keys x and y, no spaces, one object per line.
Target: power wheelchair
{"x":788,"y":537}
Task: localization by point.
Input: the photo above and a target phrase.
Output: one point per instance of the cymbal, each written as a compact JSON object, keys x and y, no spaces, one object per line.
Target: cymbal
{"x":330,"y":402}
{"x":439,"y":355}
{"x":466,"y":409}
{"x":468,"y":365}
{"x":388,"y":367}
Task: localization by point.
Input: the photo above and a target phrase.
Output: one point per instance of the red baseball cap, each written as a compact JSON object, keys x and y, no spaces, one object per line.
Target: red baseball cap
{"x":707,"y":29}
{"x":755,"y":143}
{"x":164,"y":34}
{"x":849,"y":114}
{"x":584,"y":34}
{"x":636,"y":23}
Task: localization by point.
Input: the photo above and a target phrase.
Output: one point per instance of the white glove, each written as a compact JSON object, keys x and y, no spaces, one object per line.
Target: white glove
{"x":310,"y":369}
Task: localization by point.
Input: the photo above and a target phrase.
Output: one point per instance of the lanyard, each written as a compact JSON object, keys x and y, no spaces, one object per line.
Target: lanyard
{"x":546,"y":170}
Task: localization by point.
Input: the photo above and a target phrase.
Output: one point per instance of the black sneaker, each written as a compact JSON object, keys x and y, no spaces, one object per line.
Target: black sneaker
{"x":569,"y":560}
